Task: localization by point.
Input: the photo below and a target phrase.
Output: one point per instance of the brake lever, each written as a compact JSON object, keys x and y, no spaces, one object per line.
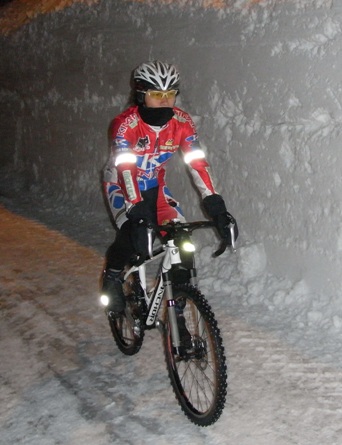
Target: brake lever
{"x":150,"y":240}
{"x":224,"y":243}
{"x":232,"y":236}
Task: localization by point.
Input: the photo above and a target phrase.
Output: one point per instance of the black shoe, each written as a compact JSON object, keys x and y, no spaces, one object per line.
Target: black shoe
{"x":184,"y":334}
{"x":112,"y":287}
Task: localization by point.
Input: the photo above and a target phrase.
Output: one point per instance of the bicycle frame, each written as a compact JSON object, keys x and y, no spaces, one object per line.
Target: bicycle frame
{"x":193,"y":345}
{"x":170,"y":256}
{"x":154,"y":296}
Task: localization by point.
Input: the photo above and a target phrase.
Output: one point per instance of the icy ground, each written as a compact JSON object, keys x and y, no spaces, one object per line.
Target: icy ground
{"x":63,"y":381}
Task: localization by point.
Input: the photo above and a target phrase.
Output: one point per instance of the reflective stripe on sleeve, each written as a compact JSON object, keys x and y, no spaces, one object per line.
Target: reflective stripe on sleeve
{"x":193,"y":155}
{"x":125,"y":158}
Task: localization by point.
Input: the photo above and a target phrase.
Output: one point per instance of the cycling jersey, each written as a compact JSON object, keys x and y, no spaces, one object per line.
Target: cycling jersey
{"x":139,"y":154}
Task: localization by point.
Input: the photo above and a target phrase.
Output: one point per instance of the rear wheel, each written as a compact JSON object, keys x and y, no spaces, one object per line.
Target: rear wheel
{"x":199,"y":376}
{"x":127,"y":328}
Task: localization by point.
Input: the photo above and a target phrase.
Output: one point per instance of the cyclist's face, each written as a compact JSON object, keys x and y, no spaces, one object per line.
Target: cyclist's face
{"x":153,"y":102}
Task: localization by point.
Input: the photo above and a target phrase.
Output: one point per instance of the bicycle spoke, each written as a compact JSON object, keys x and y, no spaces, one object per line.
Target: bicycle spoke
{"x":199,"y":375}
{"x":124,"y":326}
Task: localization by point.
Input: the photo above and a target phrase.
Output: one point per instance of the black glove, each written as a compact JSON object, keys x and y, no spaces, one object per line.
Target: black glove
{"x":140,"y":212}
{"x":140,"y":241}
{"x":140,"y":217}
{"x":215,"y":207}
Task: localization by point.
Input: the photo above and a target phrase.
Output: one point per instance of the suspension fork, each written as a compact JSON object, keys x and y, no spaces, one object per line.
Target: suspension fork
{"x":193,"y":275}
{"x":173,"y":257}
{"x":171,"y":310}
{"x":188,"y":262}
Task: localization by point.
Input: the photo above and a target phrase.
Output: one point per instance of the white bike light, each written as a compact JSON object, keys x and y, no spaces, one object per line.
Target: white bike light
{"x":188,"y":247}
{"x":104,"y":300}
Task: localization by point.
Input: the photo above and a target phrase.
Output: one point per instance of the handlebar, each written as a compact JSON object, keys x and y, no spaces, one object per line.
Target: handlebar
{"x":175,"y":227}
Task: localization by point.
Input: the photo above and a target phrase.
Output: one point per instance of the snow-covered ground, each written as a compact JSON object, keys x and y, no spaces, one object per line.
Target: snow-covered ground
{"x":271,"y":118}
{"x":63,"y":381}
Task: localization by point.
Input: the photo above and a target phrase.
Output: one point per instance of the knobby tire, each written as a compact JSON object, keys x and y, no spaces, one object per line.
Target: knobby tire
{"x":199,"y":379}
{"x":123,"y":328}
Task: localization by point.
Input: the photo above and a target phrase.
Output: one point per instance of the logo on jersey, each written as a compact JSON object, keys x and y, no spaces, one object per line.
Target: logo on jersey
{"x":143,"y":143}
{"x":120,"y":142}
{"x":180,"y":117}
{"x":131,"y":122}
{"x":192,"y":138}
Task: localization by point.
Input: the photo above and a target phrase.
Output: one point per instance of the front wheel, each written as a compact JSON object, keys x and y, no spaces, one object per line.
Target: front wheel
{"x":199,"y":376}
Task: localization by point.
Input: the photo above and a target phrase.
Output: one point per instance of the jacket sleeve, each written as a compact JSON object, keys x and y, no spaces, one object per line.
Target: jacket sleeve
{"x":194,"y":157}
{"x":124,"y":161}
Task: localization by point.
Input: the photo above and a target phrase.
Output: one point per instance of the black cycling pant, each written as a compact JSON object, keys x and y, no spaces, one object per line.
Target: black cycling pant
{"x":120,"y":252}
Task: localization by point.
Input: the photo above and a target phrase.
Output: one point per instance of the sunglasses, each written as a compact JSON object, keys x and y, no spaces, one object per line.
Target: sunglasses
{"x":159,"y":95}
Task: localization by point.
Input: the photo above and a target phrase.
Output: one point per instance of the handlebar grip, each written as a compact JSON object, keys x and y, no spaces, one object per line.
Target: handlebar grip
{"x":225,"y":243}
{"x":221,"y":249}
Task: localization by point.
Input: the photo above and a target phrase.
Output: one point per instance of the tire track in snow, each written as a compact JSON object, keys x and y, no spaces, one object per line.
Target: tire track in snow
{"x":296,"y":397}
{"x":61,"y":350}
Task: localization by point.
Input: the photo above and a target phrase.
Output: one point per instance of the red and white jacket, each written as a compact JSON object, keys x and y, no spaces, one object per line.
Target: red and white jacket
{"x":139,"y":154}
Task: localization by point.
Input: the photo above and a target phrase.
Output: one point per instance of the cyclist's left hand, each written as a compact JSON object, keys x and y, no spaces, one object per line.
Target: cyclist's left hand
{"x":224,"y":222}
{"x":215,"y":206}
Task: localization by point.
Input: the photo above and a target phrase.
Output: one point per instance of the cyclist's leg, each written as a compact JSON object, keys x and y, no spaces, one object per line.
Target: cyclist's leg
{"x":120,"y":252}
{"x":117,"y":256}
{"x":167,"y":207}
{"x":150,"y":198}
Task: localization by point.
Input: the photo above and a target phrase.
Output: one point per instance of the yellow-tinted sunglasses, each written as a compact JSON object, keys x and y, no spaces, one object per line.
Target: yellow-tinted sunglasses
{"x":159,"y":95}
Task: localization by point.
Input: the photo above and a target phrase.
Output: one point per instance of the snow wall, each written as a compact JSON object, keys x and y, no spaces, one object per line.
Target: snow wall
{"x":262,"y":80}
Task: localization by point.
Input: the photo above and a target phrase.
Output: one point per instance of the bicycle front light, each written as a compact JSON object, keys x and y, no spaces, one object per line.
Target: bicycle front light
{"x":104,"y":300}
{"x":187,"y":246}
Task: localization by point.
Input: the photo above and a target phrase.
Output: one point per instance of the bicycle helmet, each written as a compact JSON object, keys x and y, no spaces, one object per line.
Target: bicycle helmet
{"x":156,"y":75}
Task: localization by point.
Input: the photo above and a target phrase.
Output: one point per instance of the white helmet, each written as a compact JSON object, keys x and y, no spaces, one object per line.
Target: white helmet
{"x":156,"y":75}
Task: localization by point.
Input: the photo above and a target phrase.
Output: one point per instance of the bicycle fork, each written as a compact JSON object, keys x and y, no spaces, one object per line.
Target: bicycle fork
{"x":164,"y":288}
{"x":169,"y":260}
{"x":171,"y":310}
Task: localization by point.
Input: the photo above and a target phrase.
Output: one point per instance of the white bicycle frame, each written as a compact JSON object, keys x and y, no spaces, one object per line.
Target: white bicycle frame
{"x":154,"y":296}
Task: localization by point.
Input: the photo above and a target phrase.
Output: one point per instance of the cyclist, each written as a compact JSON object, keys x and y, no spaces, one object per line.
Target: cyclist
{"x":144,"y":138}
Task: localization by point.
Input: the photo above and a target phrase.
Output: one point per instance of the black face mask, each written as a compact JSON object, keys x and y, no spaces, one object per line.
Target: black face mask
{"x":155,"y":116}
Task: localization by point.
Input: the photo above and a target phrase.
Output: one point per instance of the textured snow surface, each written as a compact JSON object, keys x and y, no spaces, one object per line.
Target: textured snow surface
{"x":262,"y":80}
{"x":64,"y":381}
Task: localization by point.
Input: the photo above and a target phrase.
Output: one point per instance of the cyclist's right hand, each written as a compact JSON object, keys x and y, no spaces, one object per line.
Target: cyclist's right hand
{"x":140,"y":212}
{"x":141,"y":217}
{"x":139,"y":239}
